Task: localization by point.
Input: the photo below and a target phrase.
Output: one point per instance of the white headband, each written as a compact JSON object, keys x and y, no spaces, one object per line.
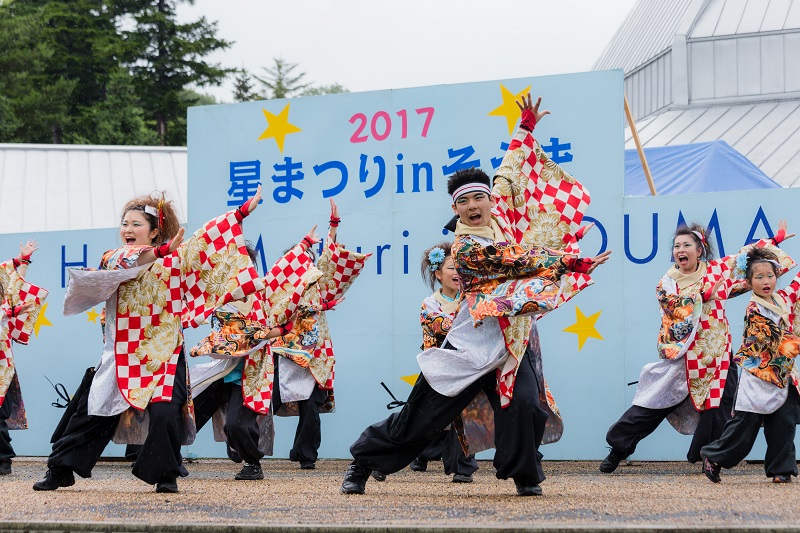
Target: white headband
{"x":150,"y":210}
{"x":702,"y":239}
{"x":471,"y":187}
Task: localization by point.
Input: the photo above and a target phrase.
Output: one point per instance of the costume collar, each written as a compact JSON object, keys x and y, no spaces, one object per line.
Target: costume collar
{"x":685,"y":280}
{"x":448,"y":306}
{"x":777,"y":305}
{"x":492,"y":231}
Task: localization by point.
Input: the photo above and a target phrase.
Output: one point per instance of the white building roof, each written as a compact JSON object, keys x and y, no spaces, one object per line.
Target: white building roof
{"x":743,"y":17}
{"x":702,"y":70}
{"x":45,"y":187}
{"x":646,"y":33}
{"x":767,"y":133}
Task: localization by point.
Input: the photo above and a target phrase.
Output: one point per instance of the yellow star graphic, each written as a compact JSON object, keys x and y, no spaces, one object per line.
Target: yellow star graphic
{"x":509,"y":108}
{"x":584,"y":327}
{"x":411,"y":380}
{"x":41,"y":320}
{"x":92,"y":315}
{"x":278,"y":127}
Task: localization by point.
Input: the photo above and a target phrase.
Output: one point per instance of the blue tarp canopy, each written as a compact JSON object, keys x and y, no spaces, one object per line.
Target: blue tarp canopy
{"x":688,"y":168}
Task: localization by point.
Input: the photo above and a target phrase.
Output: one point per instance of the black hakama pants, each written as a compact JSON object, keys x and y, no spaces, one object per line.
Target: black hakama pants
{"x":392,"y":444}
{"x":638,"y":422}
{"x":81,"y":438}
{"x":779,"y":430}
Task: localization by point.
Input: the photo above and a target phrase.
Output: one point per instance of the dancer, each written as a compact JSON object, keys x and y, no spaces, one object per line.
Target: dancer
{"x":768,"y":387}
{"x":20,"y":303}
{"x":236,"y":388}
{"x":506,"y":275}
{"x":138,"y":393}
{"x":690,"y":385}
{"x":436,"y":318}
{"x":305,"y":369}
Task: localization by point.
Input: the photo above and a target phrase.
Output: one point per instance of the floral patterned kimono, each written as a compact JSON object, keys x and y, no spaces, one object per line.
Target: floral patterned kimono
{"x":697,"y":332}
{"x":307,"y":352}
{"x":238,"y":336}
{"x":769,"y":350}
{"x":516,"y":270}
{"x":147,"y":308}
{"x":17,"y":327}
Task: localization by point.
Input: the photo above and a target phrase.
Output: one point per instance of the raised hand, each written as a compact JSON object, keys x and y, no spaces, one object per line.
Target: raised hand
{"x":26,"y":250}
{"x":599,"y":260}
{"x":254,"y":201}
{"x":525,"y":104}
{"x":176,"y":240}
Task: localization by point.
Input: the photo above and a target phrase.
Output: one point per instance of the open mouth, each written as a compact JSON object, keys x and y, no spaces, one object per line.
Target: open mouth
{"x":683,"y":260}
{"x":130,"y":240}
{"x":475,"y":218}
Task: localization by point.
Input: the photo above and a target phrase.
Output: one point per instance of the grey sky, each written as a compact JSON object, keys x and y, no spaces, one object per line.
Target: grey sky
{"x":378,"y":44}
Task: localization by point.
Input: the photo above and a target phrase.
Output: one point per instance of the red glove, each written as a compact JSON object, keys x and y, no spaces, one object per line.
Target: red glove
{"x":307,"y":243}
{"x":779,"y":237}
{"x":161,"y":251}
{"x":243,"y":210}
{"x":581,"y":265}
{"x":528,"y":120}
{"x":327,"y":305}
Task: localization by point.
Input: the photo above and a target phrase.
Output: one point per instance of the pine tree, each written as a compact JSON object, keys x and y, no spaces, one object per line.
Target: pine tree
{"x":166,"y":57}
{"x":243,"y":87}
{"x":280,"y":83}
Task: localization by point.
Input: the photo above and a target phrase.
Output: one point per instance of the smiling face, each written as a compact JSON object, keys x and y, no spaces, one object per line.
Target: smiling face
{"x":448,"y":277}
{"x":686,"y":253}
{"x":474,"y":209}
{"x":135,"y":229}
{"x":763,"y":279}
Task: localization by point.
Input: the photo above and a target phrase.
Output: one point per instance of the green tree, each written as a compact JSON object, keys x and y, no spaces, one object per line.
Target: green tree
{"x":243,"y":87}
{"x":325,"y":89}
{"x":118,"y":119}
{"x":280,"y":83}
{"x":166,"y":58}
{"x":34,"y":101}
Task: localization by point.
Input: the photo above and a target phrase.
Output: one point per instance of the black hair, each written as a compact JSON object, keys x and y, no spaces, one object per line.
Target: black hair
{"x":428,"y":275}
{"x":251,"y":251}
{"x":760,"y":255}
{"x":707,"y":249}
{"x":468,"y":175}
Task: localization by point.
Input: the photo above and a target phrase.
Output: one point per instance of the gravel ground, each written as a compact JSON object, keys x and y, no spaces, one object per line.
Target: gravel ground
{"x":650,"y":494}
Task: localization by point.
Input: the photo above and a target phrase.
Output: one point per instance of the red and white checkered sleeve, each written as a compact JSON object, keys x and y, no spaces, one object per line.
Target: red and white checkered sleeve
{"x":284,"y":284}
{"x":18,"y":292}
{"x":340,"y":267}
{"x":214,"y":270}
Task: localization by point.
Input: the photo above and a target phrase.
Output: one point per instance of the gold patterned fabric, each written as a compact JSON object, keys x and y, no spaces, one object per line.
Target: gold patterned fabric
{"x":15,"y":325}
{"x":309,"y":343}
{"x":699,"y":330}
{"x":178,"y":291}
{"x":539,"y":208}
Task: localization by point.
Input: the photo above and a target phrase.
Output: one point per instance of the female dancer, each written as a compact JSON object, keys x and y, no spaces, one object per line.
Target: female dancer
{"x":20,"y":303}
{"x":768,"y":388}
{"x":690,"y":386}
{"x":438,"y":311}
{"x":436,"y":318}
{"x":236,"y":387}
{"x":139,"y":393}
{"x":304,"y":372}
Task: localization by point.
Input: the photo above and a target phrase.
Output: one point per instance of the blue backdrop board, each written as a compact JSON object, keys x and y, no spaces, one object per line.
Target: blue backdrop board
{"x":384,"y":157}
